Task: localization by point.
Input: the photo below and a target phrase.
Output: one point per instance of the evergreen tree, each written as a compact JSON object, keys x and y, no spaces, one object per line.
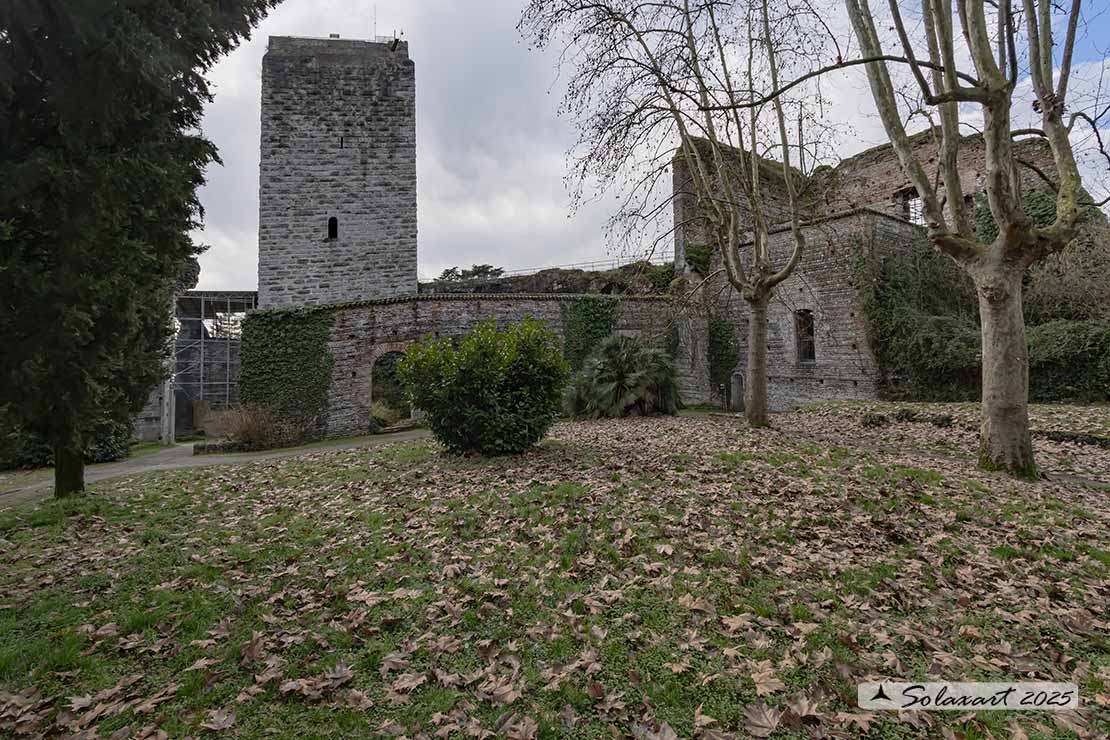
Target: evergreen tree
{"x":100,"y":160}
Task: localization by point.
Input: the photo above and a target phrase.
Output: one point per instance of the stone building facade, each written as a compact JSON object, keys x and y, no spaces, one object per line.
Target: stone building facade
{"x":337,"y":181}
{"x":818,"y":346}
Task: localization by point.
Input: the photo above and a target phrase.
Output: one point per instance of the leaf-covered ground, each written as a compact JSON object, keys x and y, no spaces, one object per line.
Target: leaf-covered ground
{"x":656,"y":578}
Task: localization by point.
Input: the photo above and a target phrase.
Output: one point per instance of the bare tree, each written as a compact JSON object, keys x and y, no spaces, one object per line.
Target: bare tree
{"x":648,"y":72}
{"x":990,"y":35}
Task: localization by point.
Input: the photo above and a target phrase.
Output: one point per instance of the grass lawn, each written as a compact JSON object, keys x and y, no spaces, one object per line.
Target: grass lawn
{"x":660,"y":578}
{"x":11,"y":480}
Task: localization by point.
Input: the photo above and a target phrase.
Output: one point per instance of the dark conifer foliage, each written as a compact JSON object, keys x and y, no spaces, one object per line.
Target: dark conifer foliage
{"x":100,"y":160}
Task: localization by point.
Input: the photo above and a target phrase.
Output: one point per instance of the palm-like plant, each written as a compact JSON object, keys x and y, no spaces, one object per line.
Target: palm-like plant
{"x":623,"y":378}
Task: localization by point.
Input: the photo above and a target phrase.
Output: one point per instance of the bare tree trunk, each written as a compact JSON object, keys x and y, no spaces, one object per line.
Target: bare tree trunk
{"x":1004,"y":439}
{"x":69,"y":470}
{"x":755,"y":387}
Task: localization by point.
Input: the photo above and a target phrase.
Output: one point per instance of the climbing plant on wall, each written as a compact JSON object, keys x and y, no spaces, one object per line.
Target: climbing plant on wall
{"x":924,"y":331}
{"x":699,"y":257}
{"x":922,"y":324}
{"x":286,"y":365}
{"x":586,"y":321}
{"x":1040,"y":205}
{"x":724,"y":353}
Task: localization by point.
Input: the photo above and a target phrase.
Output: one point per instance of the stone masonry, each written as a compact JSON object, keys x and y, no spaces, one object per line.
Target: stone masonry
{"x":362,"y":332}
{"x":337,"y":187}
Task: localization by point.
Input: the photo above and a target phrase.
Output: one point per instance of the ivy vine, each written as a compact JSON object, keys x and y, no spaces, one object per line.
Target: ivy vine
{"x":923,"y":326}
{"x":724,"y":353}
{"x":699,"y":257}
{"x":286,"y":365}
{"x":1040,"y":205}
{"x":922,"y":323}
{"x":586,"y":321}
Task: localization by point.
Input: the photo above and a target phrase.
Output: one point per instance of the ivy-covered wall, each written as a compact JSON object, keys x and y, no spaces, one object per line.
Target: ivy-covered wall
{"x":286,"y":365}
{"x":362,"y":332}
{"x":1073,"y":284}
{"x":923,"y":323}
{"x":724,"y":354}
{"x":586,"y":321}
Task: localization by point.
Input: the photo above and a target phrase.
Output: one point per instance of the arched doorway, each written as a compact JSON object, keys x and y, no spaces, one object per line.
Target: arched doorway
{"x":388,"y":404}
{"x":736,"y":392}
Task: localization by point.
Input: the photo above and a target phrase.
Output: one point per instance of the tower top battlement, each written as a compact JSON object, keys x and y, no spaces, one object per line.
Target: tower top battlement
{"x":338,"y":47}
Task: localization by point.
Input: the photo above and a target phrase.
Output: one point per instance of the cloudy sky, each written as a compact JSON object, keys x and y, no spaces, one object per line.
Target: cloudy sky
{"x":490,"y":145}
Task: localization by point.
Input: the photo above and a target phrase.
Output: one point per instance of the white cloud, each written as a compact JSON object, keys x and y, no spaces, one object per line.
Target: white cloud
{"x":490,"y":145}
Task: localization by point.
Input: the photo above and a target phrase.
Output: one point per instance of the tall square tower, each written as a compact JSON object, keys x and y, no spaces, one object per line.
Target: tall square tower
{"x":337,"y":186}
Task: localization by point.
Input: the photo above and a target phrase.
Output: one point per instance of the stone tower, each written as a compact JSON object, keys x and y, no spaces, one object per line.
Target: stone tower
{"x":337,"y":187}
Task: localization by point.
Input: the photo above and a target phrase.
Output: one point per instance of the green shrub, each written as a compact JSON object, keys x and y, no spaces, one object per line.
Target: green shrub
{"x":1070,"y":361}
{"x":660,"y":276}
{"x":494,"y":392}
{"x":623,"y":378}
{"x":699,"y":257}
{"x":109,"y":441}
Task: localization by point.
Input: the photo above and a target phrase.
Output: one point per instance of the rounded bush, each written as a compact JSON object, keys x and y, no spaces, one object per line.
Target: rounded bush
{"x":624,"y":378}
{"x":494,"y":392}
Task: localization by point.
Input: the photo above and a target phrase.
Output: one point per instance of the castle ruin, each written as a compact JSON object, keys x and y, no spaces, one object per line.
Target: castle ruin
{"x":338,"y":233}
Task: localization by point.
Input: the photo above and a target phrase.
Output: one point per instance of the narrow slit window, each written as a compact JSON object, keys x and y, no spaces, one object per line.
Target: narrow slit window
{"x":803,"y":330}
{"x":333,"y":228}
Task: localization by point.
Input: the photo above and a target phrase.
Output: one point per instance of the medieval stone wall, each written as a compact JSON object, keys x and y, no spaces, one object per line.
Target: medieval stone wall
{"x":363,"y":332}
{"x":823,"y":283}
{"x":862,"y":204}
{"x":872,"y":179}
{"x":338,"y":141}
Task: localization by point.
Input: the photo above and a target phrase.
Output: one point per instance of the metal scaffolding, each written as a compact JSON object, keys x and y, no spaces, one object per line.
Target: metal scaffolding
{"x":206,"y":350}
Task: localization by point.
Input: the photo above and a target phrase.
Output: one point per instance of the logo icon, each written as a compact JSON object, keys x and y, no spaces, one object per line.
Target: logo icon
{"x":880,"y":695}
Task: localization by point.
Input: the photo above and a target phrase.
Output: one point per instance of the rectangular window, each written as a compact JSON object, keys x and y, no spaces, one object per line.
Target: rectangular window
{"x":916,"y":211}
{"x":803,"y":332}
{"x":913,"y":208}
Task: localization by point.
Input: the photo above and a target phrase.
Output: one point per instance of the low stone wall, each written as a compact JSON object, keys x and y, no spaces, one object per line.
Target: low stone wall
{"x":824,"y":284}
{"x":364,"y":331}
